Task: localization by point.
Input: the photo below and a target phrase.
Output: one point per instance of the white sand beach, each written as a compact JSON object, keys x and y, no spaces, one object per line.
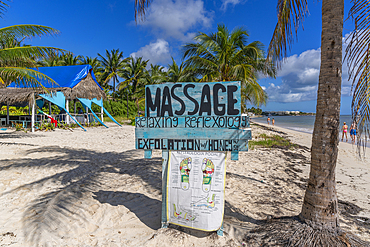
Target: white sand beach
{"x":64,"y":188}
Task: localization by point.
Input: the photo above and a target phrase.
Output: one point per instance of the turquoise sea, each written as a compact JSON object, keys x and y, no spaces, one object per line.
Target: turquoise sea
{"x":299,"y":123}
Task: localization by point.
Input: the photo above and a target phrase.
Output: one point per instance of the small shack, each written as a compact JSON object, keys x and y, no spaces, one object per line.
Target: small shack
{"x":74,"y":83}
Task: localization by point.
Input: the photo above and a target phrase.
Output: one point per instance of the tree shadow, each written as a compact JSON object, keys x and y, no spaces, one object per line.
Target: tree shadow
{"x":81,"y":174}
{"x":235,"y":212}
{"x":234,"y":175}
{"x":17,"y":135}
{"x":148,"y":210}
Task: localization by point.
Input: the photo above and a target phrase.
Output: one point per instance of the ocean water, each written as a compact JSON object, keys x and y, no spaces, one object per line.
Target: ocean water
{"x":300,"y":123}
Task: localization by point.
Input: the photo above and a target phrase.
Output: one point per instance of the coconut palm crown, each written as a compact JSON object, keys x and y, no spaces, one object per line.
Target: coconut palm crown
{"x":226,"y":56}
{"x":112,"y":63}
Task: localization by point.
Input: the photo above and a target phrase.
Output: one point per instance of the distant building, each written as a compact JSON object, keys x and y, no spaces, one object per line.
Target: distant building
{"x":281,"y":113}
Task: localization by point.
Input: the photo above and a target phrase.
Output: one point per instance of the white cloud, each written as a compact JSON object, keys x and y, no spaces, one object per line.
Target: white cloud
{"x":157,"y":52}
{"x":300,"y":77}
{"x":231,"y":2}
{"x":168,"y":18}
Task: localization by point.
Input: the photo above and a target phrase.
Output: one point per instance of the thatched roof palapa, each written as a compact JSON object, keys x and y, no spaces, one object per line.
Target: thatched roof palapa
{"x":86,"y":88}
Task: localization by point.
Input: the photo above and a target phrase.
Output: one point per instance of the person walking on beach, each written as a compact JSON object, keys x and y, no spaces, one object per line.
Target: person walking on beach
{"x":352,"y":132}
{"x":273,"y":121}
{"x":268,"y":120}
{"x":344,"y":131}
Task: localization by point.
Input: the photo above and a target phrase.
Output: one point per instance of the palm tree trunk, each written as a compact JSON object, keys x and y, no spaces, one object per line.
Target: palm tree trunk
{"x":320,"y":206}
{"x":114,"y":87}
{"x":127,"y":103}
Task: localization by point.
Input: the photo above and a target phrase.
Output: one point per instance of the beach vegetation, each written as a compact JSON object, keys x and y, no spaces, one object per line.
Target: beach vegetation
{"x":18,"y":126}
{"x":118,"y":108}
{"x":256,"y":111}
{"x":46,"y":126}
{"x":226,"y":56}
{"x":14,"y":110}
{"x":271,"y":141}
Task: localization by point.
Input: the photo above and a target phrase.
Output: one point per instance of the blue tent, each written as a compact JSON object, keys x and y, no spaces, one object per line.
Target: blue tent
{"x":72,"y":82}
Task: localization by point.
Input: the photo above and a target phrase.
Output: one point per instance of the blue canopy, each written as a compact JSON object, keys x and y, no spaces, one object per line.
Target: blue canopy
{"x":64,"y":76}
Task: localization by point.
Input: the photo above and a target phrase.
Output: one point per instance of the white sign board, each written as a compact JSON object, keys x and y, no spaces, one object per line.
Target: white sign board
{"x":195,"y":189}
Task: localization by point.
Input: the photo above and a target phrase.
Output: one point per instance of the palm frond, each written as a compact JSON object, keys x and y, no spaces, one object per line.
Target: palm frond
{"x":291,"y":14}
{"x":16,"y":53}
{"x":140,"y":8}
{"x":358,"y":60}
{"x":26,"y":30}
{"x":3,"y":8}
{"x":24,"y":76}
{"x":226,"y":56}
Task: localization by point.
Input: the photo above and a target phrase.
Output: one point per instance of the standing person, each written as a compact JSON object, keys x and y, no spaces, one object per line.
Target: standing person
{"x":352,"y":132}
{"x":344,"y":131}
{"x":79,"y":110}
{"x":268,"y":120}
{"x":273,"y":121}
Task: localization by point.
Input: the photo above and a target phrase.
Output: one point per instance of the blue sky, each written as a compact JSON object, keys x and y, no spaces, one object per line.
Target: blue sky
{"x":89,"y":27}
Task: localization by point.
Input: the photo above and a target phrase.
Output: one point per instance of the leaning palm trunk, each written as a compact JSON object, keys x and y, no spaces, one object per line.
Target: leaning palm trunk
{"x":320,"y":205}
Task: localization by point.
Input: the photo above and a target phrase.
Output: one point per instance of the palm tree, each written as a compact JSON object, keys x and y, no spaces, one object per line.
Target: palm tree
{"x":135,"y":76}
{"x":53,"y":59}
{"x":16,"y":59}
{"x":156,"y":75}
{"x":180,"y":73}
{"x":225,"y":56}
{"x":94,"y":62}
{"x":70,"y":59}
{"x":320,"y":203}
{"x":112,"y":64}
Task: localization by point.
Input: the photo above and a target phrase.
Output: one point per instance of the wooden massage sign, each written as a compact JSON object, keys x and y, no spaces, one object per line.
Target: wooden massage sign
{"x":194,"y":124}
{"x":193,"y":116}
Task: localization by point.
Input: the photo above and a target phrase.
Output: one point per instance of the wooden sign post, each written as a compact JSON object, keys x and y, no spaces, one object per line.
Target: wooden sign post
{"x":191,"y":117}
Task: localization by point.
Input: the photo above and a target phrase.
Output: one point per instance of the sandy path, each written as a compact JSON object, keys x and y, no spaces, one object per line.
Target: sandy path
{"x":93,"y":188}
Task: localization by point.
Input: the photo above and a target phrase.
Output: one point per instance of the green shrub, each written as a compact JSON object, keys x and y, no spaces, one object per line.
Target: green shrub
{"x":274,"y":141}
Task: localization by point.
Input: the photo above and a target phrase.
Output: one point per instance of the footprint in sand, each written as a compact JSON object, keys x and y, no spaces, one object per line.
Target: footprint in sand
{"x":185,"y":167}
{"x":208,"y":169}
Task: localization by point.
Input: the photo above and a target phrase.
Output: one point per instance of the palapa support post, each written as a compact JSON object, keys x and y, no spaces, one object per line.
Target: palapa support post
{"x":33,"y":114}
{"x":67,"y":108}
{"x":7,"y":113}
{"x":102,"y":114}
{"x":87,"y":115}
{"x":165,"y":156}
{"x":49,"y":108}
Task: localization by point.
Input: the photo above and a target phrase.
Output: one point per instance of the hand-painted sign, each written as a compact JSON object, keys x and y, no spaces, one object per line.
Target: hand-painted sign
{"x":183,"y":118}
{"x":193,"y":122}
{"x":193,"y":116}
{"x":193,"y":139}
{"x":193,"y":99}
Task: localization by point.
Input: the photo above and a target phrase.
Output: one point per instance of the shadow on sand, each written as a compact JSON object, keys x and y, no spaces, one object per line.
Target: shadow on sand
{"x":148,"y":210}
